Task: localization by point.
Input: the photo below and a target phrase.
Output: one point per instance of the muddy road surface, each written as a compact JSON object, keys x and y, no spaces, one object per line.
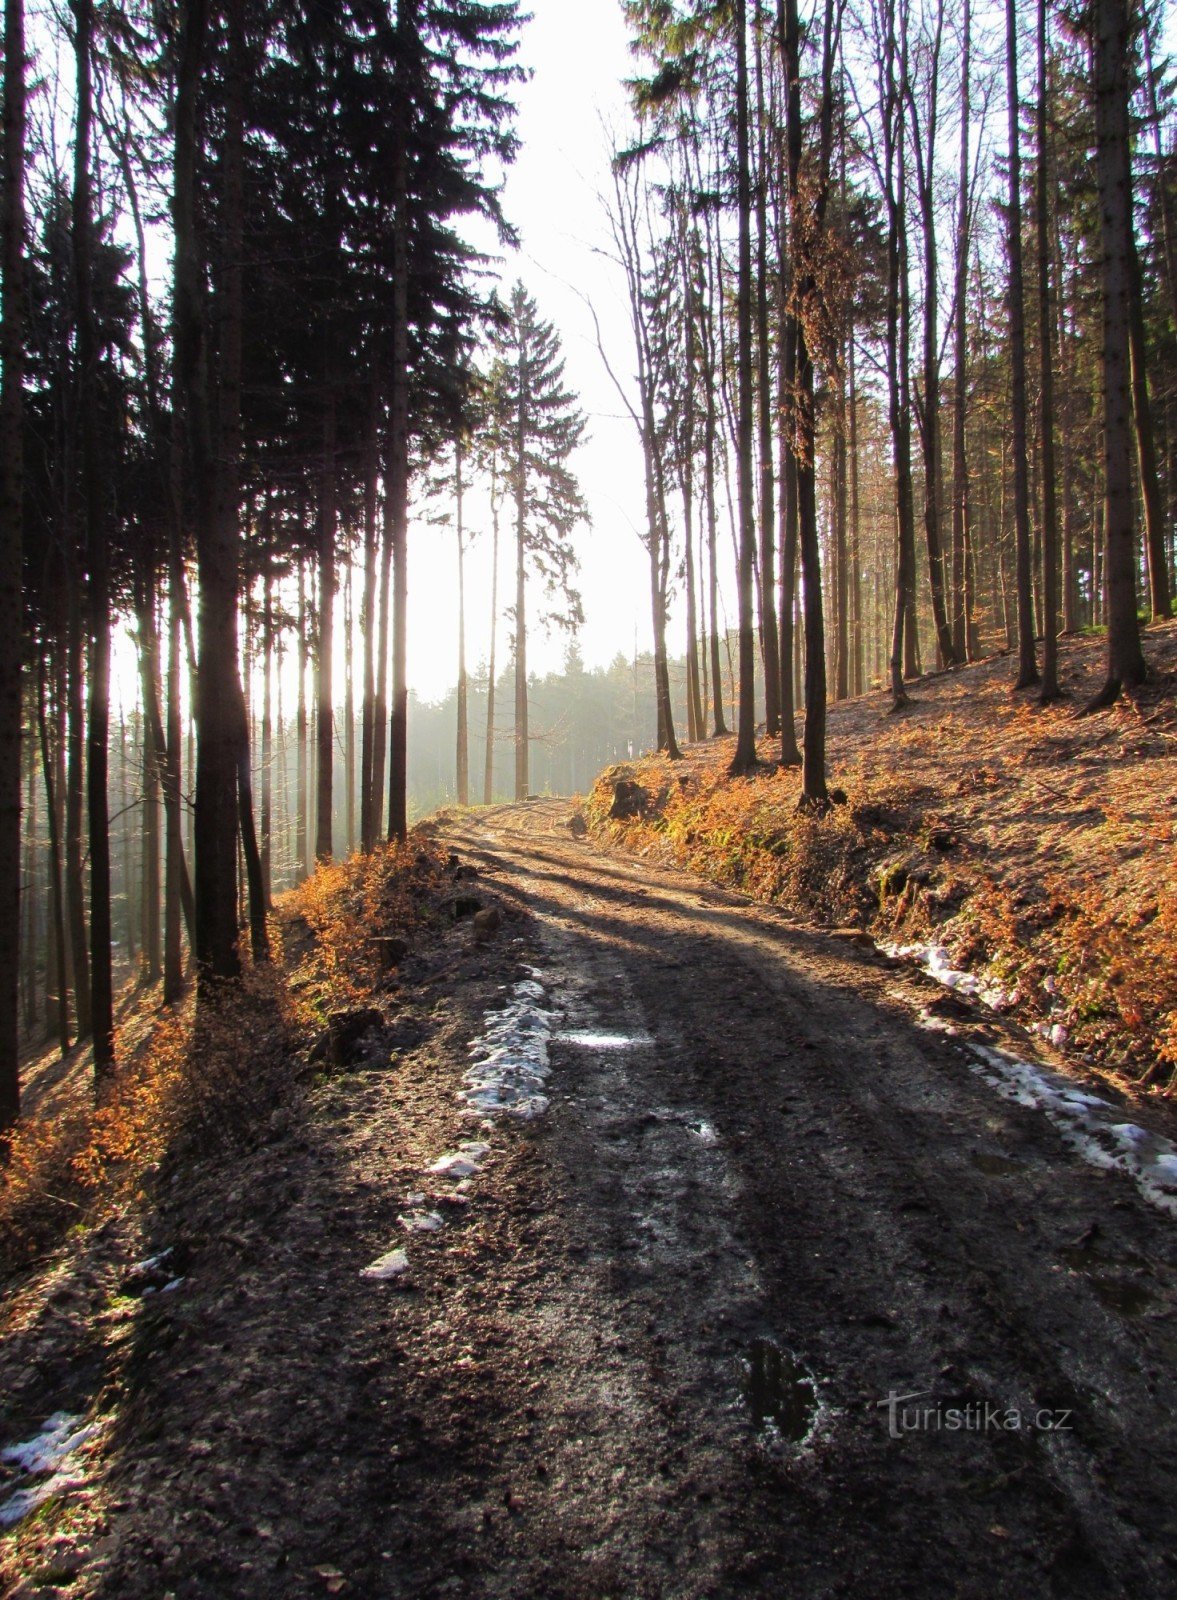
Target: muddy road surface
{"x":777,"y":1297}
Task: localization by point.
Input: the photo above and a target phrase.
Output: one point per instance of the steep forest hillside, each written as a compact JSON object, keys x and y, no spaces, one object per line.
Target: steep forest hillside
{"x":1033,"y":847}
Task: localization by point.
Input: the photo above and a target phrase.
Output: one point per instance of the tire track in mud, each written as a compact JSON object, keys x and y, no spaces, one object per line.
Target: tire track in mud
{"x":869,"y":1202}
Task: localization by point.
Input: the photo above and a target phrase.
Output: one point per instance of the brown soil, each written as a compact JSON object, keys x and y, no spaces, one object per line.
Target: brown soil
{"x":555,"y":1402}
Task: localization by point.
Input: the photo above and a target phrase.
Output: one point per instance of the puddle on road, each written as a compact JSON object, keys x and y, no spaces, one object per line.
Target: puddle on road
{"x":1120,"y":1294}
{"x":1127,"y":1296}
{"x":1090,"y":1257}
{"x":994,"y":1166}
{"x":588,"y":1040}
{"x":780,"y":1393}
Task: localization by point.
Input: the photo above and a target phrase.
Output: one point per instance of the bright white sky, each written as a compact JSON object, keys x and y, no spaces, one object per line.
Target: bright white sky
{"x":578,"y":55}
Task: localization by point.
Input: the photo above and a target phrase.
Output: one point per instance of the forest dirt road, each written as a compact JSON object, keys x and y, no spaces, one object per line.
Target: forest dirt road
{"x":647,"y":1357}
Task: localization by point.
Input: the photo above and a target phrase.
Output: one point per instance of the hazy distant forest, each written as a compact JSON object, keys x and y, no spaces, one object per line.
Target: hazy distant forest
{"x":903,"y":296}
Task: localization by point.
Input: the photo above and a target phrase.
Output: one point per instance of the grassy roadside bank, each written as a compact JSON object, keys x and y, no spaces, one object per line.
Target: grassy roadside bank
{"x":188,"y":1091}
{"x":1037,"y":847}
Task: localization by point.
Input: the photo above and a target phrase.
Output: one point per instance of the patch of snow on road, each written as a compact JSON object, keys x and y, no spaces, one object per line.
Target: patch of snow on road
{"x":935,"y":961}
{"x":463,"y":1162}
{"x":390,"y":1265}
{"x":510,"y":1066}
{"x":933,"y":1024}
{"x":1090,"y":1124}
{"x":52,"y":1457}
{"x":58,"y":1438}
{"x":420,"y":1221}
{"x":151,"y":1263}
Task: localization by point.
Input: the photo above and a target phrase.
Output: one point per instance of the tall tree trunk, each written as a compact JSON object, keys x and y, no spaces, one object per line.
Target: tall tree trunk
{"x":769,"y":641}
{"x":349,"y":708}
{"x":841,"y":574}
{"x":1027,"y":659}
{"x":708,"y":304}
{"x":12,"y":354}
{"x":744,"y":759}
{"x":703,"y":656}
{"x":127,"y":757}
{"x":657,"y":518}
{"x":300,"y":732}
{"x":324,"y":676}
{"x":259,"y":939}
{"x":522,"y":751}
{"x":659,"y":545}
{"x":787,"y":406}
{"x":98,"y":819}
{"x":1168,"y":237}
{"x":215,"y":832}
{"x":462,"y":754}
{"x":155,"y":935}
{"x":282,"y":753}
{"x":1069,"y":577}
{"x":368,"y":629}
{"x":1050,"y":686}
{"x":1125,"y":660}
{"x":56,"y":971}
{"x":189,"y":768}
{"x":56,"y":894}
{"x":489,"y":767}
{"x":398,"y":442}
{"x":897,"y":371}
{"x":911,"y":637}
{"x":643,"y":311}
{"x":380,"y":703}
{"x":856,"y":629}
{"x":1159,"y":593}
{"x":805,"y":291}
{"x":56,"y":690}
{"x":98,"y":555}
{"x":1069,"y":582}
{"x":961,"y":633}
{"x":224,"y":795}
{"x":696,"y":726}
{"x":75,"y":897}
{"x":718,"y":722}
{"x":29,"y":943}
{"x":267,"y":818}
{"x":175,"y":870}
{"x":930,"y":416}
{"x":153,"y":763}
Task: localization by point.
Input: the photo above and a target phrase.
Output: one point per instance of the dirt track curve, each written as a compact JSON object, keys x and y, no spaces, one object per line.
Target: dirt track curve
{"x":647,"y":1358}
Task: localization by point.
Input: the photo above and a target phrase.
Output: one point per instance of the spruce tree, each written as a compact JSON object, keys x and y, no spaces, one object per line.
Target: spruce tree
{"x":11,"y":540}
{"x":1125,"y":659}
{"x":545,"y":425}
